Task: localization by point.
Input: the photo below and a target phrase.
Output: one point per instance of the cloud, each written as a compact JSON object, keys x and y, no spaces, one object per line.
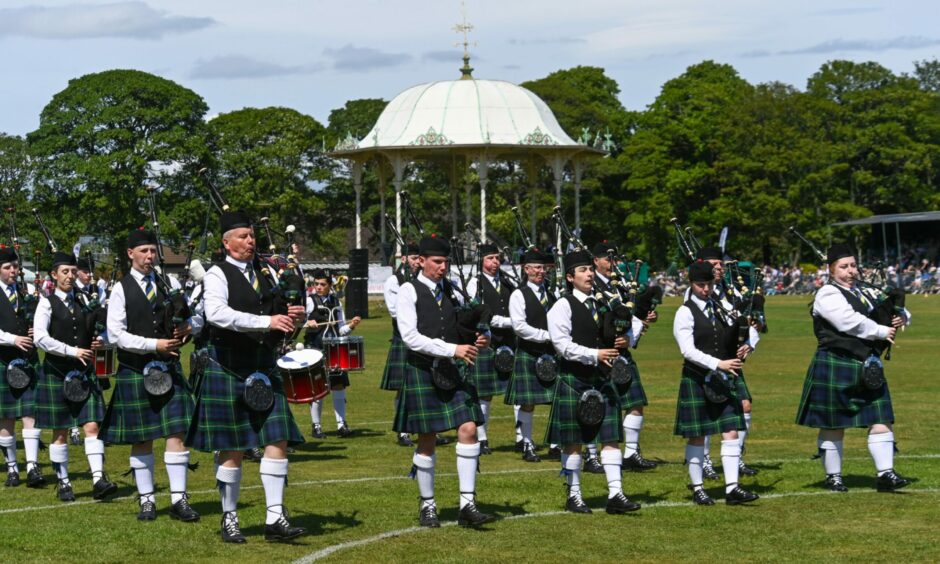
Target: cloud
{"x":904,"y":42}
{"x":240,"y":66}
{"x":548,"y":41}
{"x":452,"y":56}
{"x":134,"y":20}
{"x":351,"y":58}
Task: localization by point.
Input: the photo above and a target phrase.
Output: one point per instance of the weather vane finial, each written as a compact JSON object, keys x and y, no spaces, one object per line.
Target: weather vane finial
{"x":464,"y":28}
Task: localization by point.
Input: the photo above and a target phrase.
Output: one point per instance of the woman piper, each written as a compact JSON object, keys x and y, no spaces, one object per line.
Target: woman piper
{"x":839,"y":392}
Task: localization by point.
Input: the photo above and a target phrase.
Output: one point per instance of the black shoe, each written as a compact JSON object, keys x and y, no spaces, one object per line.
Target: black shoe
{"x":183,"y":511}
{"x":700,"y":497}
{"x":708,"y":470}
{"x":529,"y":455}
{"x":404,"y":440}
{"x":575,"y":504}
{"x":619,"y":504}
{"x":65,"y":492}
{"x":485,"y":447}
{"x":520,"y":445}
{"x":318,"y":433}
{"x":593,"y":465}
{"x":889,"y":482}
{"x":636,"y":463}
{"x":13,"y":479}
{"x":254,"y":454}
{"x":442,"y":440}
{"x":740,"y":495}
{"x":834,"y":483}
{"x":103,"y":487}
{"x":470,"y":516}
{"x":427,"y":516}
{"x":746,"y":470}
{"x":148,"y":511}
{"x":230,"y":530}
{"x":281,"y":530}
{"x":343,"y":431}
{"x":554,"y":453}
{"x":75,"y":437}
{"x":34,"y":478}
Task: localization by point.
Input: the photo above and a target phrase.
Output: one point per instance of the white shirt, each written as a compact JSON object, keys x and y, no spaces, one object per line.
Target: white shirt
{"x":408,"y":322}
{"x":683,"y":327}
{"x":7,"y":338}
{"x":198,"y":320}
{"x":832,"y":306}
{"x":390,"y":292}
{"x":117,"y":318}
{"x":518,"y":318}
{"x":336,"y":314}
{"x":753,"y":336}
{"x":41,"y":321}
{"x":560,"y":326}
{"x":498,"y":321}
{"x":219,"y":313}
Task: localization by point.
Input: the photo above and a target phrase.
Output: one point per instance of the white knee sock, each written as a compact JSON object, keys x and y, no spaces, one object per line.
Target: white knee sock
{"x":316,"y":411}
{"x":592,"y":450}
{"x":229,"y":481}
{"x":142,"y":465}
{"x":424,"y":475}
{"x":177,"y":463}
{"x":525,"y":419}
{"x":743,"y":434}
{"x":481,"y":429}
{"x":8,"y":444}
{"x":339,"y":406}
{"x":516,"y":409}
{"x":59,"y":456}
{"x":695,"y":457}
{"x":467,"y":458}
{"x":831,"y":454}
{"x":273,"y":477}
{"x":94,"y":450}
{"x":571,"y":466}
{"x":708,"y":445}
{"x":730,"y":456}
{"x":612,"y":460}
{"x":881,"y":447}
{"x":31,"y":446}
{"x":631,"y":430}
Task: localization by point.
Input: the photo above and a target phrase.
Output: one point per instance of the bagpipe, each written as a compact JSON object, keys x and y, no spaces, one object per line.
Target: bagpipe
{"x":29,"y":300}
{"x":20,"y":373}
{"x":402,"y":270}
{"x":175,"y":307}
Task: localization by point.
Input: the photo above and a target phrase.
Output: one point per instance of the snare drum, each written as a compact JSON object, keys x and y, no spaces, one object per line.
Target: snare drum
{"x":344,"y":353}
{"x":105,"y":366}
{"x":304,"y":376}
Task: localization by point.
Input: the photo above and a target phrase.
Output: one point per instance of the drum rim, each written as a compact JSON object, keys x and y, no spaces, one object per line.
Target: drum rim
{"x":308,"y":365}
{"x":343,"y":340}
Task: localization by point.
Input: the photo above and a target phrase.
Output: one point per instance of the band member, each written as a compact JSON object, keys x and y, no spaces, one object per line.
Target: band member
{"x":136,"y":313}
{"x":708,"y":344}
{"x":575,"y":334}
{"x":484,"y":375}
{"x":16,"y":342}
{"x":434,"y":398}
{"x":397,"y":353}
{"x":633,"y":397}
{"x":60,"y":329}
{"x":325,"y":318}
{"x":528,"y":307}
{"x":245,"y":335}
{"x":84,"y":286}
{"x":837,"y":393}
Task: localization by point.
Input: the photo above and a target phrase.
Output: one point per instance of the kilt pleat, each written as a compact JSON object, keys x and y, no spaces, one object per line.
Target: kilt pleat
{"x":395,"y":365}
{"x":484,"y":377}
{"x":698,"y":417}
{"x":135,"y":416}
{"x":524,"y":388}
{"x":834,"y":398}
{"x":422,"y":408}
{"x":222,"y":421}
{"x":563,"y":426}
{"x":633,"y":395}
{"x":740,"y":383}
{"x":53,"y":411}
{"x":15,"y":404}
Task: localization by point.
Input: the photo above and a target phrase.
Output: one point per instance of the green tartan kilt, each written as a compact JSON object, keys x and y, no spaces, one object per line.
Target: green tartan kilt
{"x":53,"y":411}
{"x":195,"y":378}
{"x":422,"y":408}
{"x":222,"y":421}
{"x":395,"y":365}
{"x":524,"y":388}
{"x":134,"y":416}
{"x":484,"y":377}
{"x":21,"y":403}
{"x":563,"y":426}
{"x":633,"y":395}
{"x":698,"y":417}
{"x":834,"y":398}
{"x":741,"y":385}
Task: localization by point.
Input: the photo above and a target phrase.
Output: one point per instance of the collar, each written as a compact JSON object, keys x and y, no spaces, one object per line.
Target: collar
{"x":601,"y":277}
{"x":6,"y":287}
{"x":492,"y":279}
{"x":61,"y":295}
{"x":579,"y":295}
{"x":242,"y":265}
{"x":702,"y":304}
{"x":432,"y":285}
{"x":139,"y":276}
{"x":851,"y":288}
{"x":536,"y":288}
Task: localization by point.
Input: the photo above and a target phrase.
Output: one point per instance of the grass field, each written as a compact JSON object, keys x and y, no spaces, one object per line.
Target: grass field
{"x":354,"y":495}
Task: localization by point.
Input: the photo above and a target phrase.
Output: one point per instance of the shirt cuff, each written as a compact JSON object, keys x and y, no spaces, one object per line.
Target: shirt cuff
{"x":451,"y":349}
{"x":151,"y":345}
{"x":71,"y":351}
{"x":264,"y":321}
{"x":8,"y":339}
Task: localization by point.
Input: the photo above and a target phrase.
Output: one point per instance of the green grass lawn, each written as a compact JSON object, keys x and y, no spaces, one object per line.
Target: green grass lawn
{"x":356,"y":489}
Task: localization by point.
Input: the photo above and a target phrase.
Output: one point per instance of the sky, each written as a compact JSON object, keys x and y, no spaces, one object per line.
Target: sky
{"x":314,"y":55}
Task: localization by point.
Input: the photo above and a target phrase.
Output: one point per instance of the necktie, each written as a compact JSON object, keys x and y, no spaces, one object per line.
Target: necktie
{"x":592,"y":307}
{"x":543,"y":299}
{"x":252,"y":279}
{"x":710,"y":304}
{"x":70,"y":302}
{"x":438,"y":295}
{"x":150,"y":289}
{"x":858,"y":293}
{"x":12,"y":290}
{"x":496,"y":283}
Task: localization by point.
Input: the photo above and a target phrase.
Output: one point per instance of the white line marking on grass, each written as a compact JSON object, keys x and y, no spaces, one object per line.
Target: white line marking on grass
{"x":330,"y":550}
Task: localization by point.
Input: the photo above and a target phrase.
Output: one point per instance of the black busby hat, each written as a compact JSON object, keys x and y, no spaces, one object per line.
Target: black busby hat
{"x":600,"y":249}
{"x":548,"y":258}
{"x":59,"y":258}
{"x":84,"y":264}
{"x":140,"y":237}
{"x":709,"y":253}
{"x":8,"y":254}
{"x":412,"y":249}
{"x":434,"y":247}
{"x":533,"y":256}
{"x":701,"y":272}
{"x":488,"y":249}
{"x":838,"y":251}
{"x":233,"y":220}
{"x":320,"y":274}
{"x":575,"y":259}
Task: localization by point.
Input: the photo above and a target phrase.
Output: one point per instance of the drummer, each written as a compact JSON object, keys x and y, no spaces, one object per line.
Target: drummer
{"x":325,"y":318}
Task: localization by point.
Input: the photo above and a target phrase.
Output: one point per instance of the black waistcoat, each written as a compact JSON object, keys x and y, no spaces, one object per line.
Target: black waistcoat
{"x":143,"y":320}
{"x":584,"y":332}
{"x":535,"y":316}
{"x":715,"y":339}
{"x":12,"y":322}
{"x":242,"y":297}
{"x":314,"y":337}
{"x":831,"y":339}
{"x":69,"y":328}
{"x":436,"y":322}
{"x":498,"y":302}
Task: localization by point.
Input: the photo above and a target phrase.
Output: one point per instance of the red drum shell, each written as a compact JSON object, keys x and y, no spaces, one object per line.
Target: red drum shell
{"x":344,"y":353}
{"x":105,"y":365}
{"x":304,"y":376}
